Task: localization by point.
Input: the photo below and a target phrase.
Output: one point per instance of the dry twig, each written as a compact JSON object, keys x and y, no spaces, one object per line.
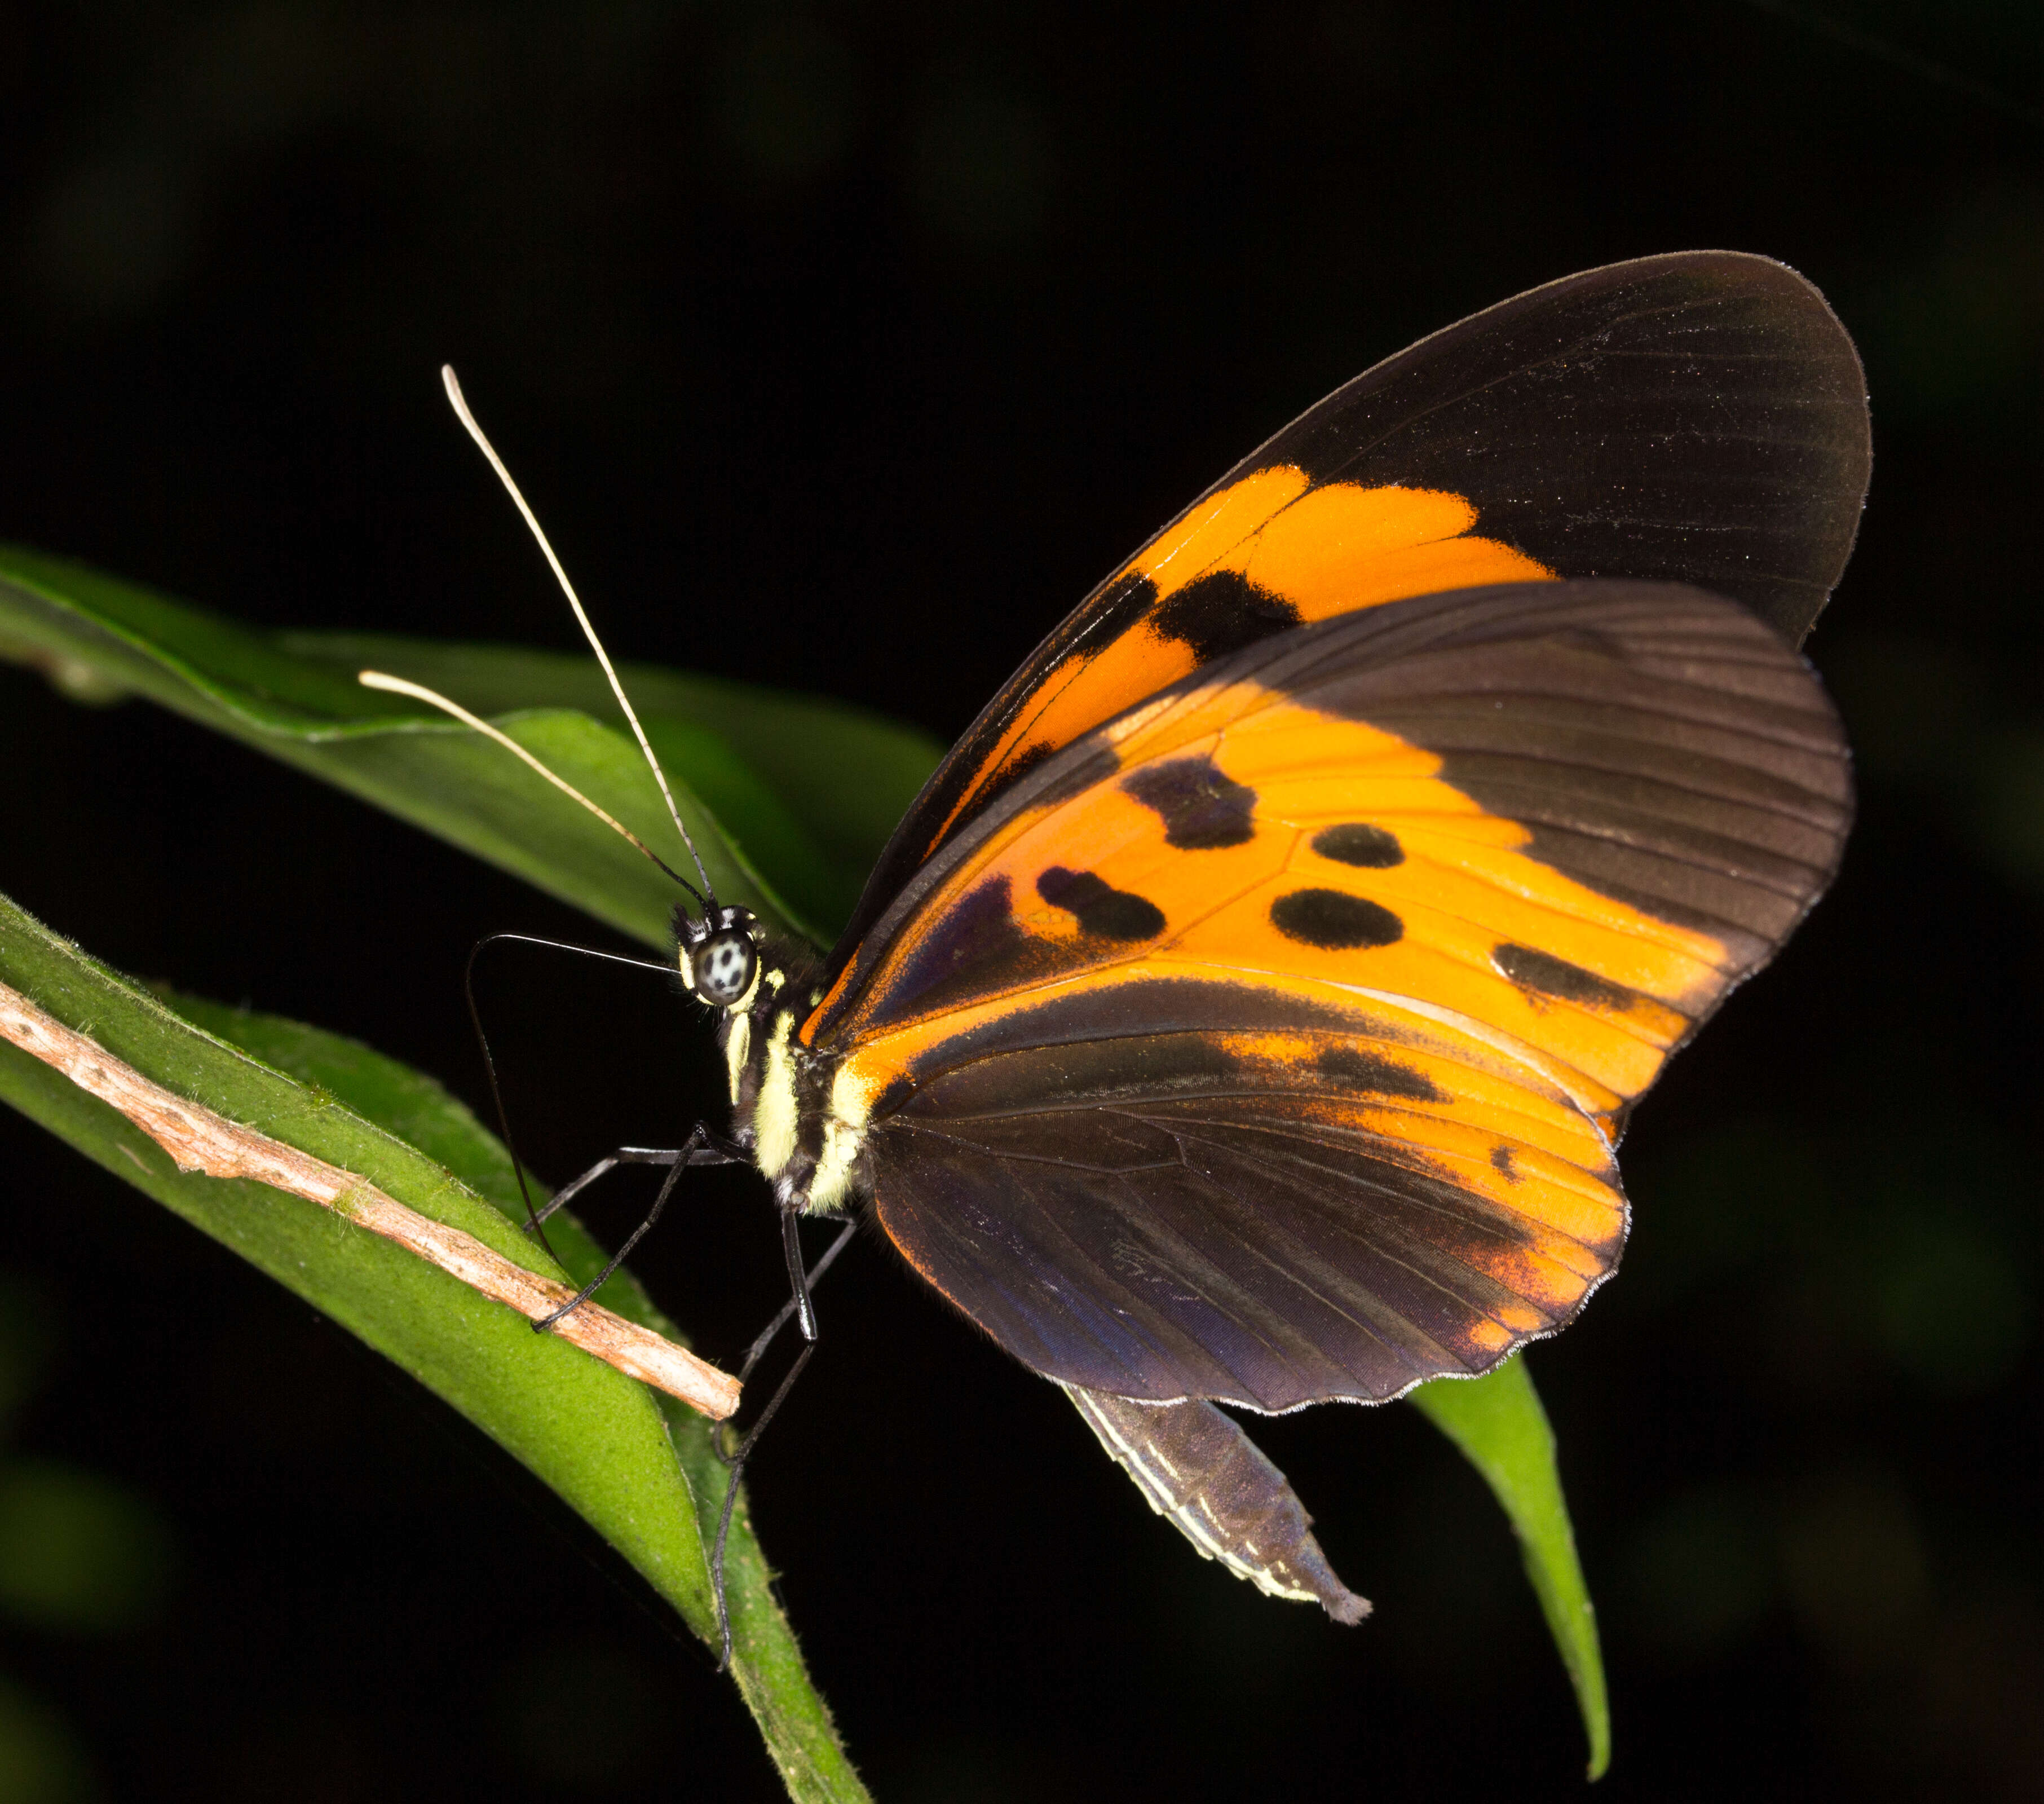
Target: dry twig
{"x":198,"y":1140}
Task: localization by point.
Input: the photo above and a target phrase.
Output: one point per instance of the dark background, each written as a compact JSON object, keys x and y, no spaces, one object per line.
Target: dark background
{"x":844,"y":348}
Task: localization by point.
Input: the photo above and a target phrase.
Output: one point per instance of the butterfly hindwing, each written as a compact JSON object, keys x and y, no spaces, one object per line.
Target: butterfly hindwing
{"x":1267,"y":1043}
{"x":1699,"y":418}
{"x":1207,"y":1213}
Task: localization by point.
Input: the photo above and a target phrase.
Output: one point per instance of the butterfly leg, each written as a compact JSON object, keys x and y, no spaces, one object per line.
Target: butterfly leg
{"x":786,"y":1313}
{"x":705,"y":1146}
{"x":805,"y":1281}
{"x":798,"y":1279}
{"x":802,"y":1282}
{"x":623,"y":1156}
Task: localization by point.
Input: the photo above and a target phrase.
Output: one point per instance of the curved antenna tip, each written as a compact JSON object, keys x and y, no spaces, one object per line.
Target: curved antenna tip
{"x":460,"y":406}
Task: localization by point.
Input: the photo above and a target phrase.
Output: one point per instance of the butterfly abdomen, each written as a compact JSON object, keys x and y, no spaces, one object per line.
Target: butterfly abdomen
{"x":1197,"y":1469}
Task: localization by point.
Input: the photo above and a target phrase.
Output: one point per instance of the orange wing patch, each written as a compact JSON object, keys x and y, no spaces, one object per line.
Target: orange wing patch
{"x":1348,"y":867}
{"x":1331,"y":550}
{"x":1268,"y":553}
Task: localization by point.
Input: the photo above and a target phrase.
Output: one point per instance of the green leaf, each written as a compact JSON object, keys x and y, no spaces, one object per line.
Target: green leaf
{"x":645,"y":1478}
{"x":789,"y":799}
{"x":1498,"y":1423}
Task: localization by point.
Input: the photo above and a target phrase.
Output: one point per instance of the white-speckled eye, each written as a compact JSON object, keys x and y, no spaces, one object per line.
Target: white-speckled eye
{"x":723,"y":966}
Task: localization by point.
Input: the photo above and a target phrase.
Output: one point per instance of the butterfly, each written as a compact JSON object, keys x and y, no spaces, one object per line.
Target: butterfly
{"x":1248,"y":1009}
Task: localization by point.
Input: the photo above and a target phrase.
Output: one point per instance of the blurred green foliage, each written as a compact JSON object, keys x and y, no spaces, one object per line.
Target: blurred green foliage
{"x":77,"y":1552}
{"x":82,"y":1556}
{"x":40,"y":1761}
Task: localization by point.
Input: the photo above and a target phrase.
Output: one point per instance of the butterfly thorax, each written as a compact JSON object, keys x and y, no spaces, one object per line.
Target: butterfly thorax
{"x":783,"y":1092}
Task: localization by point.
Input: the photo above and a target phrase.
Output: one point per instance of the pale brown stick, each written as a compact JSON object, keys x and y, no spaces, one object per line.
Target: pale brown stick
{"x":198,"y":1140}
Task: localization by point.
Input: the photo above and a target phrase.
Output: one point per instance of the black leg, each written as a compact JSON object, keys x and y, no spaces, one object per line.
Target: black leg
{"x":798,"y":1282}
{"x":757,"y":1351}
{"x":623,"y":1156}
{"x":705,"y":1146}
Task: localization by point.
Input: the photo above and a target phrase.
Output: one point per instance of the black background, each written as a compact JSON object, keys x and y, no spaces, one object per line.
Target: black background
{"x":844,"y":349}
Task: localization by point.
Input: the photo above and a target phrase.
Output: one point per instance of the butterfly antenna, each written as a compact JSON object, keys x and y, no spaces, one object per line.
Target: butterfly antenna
{"x":460,"y":406}
{"x":418,"y":692}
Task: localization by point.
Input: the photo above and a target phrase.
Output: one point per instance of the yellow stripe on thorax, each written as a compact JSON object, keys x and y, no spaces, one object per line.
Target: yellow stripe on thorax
{"x":737,"y":1052}
{"x":774,"y":1113}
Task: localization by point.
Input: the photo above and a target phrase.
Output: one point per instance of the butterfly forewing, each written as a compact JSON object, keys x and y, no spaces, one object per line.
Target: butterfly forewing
{"x":1699,"y":418}
{"x":1266,"y":1042}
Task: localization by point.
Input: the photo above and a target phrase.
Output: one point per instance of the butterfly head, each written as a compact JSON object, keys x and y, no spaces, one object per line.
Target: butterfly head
{"x":719,"y":955}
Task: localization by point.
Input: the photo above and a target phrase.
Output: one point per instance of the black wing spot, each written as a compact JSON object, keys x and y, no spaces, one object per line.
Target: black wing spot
{"x":1112,"y":913}
{"x":1501,"y":1156}
{"x":1357,"y":843}
{"x":1377,"y":1076}
{"x":1025,"y":760}
{"x":1201,"y":806}
{"x":1223,"y":612}
{"x":1542,"y":972}
{"x":1127,"y":603}
{"x":1335,"y":920}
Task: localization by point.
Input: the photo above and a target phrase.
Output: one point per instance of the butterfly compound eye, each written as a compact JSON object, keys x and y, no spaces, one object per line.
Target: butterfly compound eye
{"x":723,"y":966}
